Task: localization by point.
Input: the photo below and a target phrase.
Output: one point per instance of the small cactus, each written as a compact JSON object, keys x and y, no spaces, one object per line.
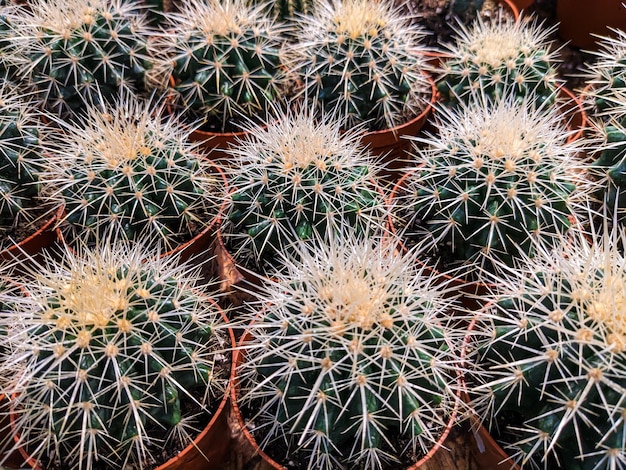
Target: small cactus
{"x":500,"y":58}
{"x":20,"y":158}
{"x":81,"y":52}
{"x":296,"y":176}
{"x":555,"y":359}
{"x":131,"y":168}
{"x":351,"y":349}
{"x":108,"y":353}
{"x":498,"y":176}
{"x":607,"y":76}
{"x":287,"y":10}
{"x":363,"y":59}
{"x":223,"y":56}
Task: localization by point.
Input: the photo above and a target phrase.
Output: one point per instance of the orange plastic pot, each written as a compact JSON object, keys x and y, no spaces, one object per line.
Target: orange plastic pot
{"x":265,"y":462}
{"x":580,"y":19}
{"x":43,"y":238}
{"x":208,"y":451}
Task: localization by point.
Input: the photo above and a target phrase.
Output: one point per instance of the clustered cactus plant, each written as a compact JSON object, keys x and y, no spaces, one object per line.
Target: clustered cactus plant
{"x":296,"y":176}
{"x":20,"y":158}
{"x":363,"y":59}
{"x":351,"y":364}
{"x":555,"y":358}
{"x":81,"y":52}
{"x":498,"y":177}
{"x":101,"y":354}
{"x":500,"y":58}
{"x":224,"y":60}
{"x":129,"y":168}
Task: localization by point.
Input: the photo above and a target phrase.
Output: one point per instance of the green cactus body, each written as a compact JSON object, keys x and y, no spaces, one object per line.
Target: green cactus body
{"x":610,"y":168}
{"x":349,"y":353}
{"x":296,"y":177}
{"x":110,"y":348}
{"x":82,"y":52}
{"x":20,"y":157}
{"x":500,"y":58}
{"x":225,"y":60}
{"x":557,"y":359}
{"x":363,"y":60}
{"x":129,"y":168}
{"x":498,"y":177}
{"x":287,"y":10}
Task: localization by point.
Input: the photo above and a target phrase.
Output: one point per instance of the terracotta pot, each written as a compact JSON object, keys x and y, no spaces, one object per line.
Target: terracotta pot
{"x":43,"y":238}
{"x":209,"y":449}
{"x":579,"y":19}
{"x":435,"y":58}
{"x":191,"y":249}
{"x":261,"y":461}
{"x":12,"y":458}
{"x":391,"y":144}
{"x":574,"y":113}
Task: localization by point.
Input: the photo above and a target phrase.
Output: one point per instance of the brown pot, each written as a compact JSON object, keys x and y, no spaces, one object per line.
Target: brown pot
{"x":43,"y":238}
{"x":12,"y":458}
{"x":208,"y":451}
{"x":259,"y":460}
{"x":579,"y":19}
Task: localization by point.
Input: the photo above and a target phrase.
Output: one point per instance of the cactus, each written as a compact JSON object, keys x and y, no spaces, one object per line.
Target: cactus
{"x":20,"y":159}
{"x":295,"y":176}
{"x":131,"y":168}
{"x":351,"y":353}
{"x":81,"y":52}
{"x":109,"y":355}
{"x":223,"y":56}
{"x":363,"y":59}
{"x":287,"y":10}
{"x":555,"y":358}
{"x":607,"y":76}
{"x":500,"y":58}
{"x":497,"y":176}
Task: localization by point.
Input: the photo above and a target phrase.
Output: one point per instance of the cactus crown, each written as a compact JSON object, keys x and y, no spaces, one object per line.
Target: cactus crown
{"x":500,"y":57}
{"x":362,"y":59}
{"x":556,"y":358}
{"x":297,"y":176}
{"x":224,"y":59}
{"x":498,"y":176}
{"x":106,"y":351}
{"x":130,"y":168}
{"x":82,"y":52}
{"x":351,"y":343}
{"x":20,"y":157}
{"x":607,"y":75}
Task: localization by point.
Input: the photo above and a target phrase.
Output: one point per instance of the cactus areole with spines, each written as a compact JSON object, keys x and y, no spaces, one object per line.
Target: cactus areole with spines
{"x":294,"y":177}
{"x":224,"y":59}
{"x":498,"y":177}
{"x":130,"y":167}
{"x":500,"y":57}
{"x":105,"y":350}
{"x":555,"y":361}
{"x":350,"y":364}
{"x":363,"y":59}
{"x":20,"y":157}
{"x":82,"y":52}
